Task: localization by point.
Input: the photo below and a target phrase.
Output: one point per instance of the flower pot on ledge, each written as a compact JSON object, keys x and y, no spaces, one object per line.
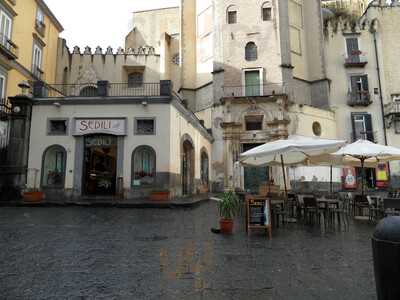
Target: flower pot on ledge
{"x":33,"y":197}
{"x":159,"y":196}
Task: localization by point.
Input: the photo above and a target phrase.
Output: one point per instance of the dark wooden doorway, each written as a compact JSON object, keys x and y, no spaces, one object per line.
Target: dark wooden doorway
{"x":188,"y":164}
{"x":254,"y":177}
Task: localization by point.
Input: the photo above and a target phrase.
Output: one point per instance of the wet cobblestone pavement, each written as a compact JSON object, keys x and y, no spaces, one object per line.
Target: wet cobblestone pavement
{"x":108,"y":253}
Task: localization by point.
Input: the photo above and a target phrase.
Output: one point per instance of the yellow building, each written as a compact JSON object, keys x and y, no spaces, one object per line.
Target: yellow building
{"x":29,"y":34}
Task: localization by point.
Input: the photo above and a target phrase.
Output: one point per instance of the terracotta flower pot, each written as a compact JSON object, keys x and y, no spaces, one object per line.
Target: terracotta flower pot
{"x":159,"y":196}
{"x":226,"y":226}
{"x":33,"y":197}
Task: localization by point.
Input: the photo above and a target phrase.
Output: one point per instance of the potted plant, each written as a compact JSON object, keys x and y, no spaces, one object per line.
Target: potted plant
{"x":228,"y":207}
{"x":161,"y":195}
{"x":33,"y":196}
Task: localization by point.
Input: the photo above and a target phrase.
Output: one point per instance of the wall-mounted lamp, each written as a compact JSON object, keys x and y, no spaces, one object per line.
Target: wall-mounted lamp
{"x":144,"y":103}
{"x":57,"y":104}
{"x":25,"y":87}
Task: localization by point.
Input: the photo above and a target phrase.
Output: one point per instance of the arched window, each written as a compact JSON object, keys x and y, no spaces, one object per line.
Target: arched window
{"x":266,"y":11}
{"x":251,"y":51}
{"x":88,"y":91}
{"x":135,"y":80}
{"x":143,"y":166}
{"x":204,"y":168}
{"x":53,"y":168}
{"x":231,"y":15}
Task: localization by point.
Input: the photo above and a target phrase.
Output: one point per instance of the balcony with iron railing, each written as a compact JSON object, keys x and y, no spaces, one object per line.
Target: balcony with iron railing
{"x":356,"y":59}
{"x":7,"y":47}
{"x":37,"y":72}
{"x":40,"y":27}
{"x":102,"y":89}
{"x":393,"y":108}
{"x":359,"y":98}
{"x":266,"y":90}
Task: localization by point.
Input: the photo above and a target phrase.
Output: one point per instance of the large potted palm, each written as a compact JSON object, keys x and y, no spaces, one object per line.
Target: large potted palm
{"x":228,"y":207}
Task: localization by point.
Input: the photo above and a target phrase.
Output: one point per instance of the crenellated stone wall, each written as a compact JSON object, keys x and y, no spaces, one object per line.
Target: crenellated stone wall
{"x":89,"y":66}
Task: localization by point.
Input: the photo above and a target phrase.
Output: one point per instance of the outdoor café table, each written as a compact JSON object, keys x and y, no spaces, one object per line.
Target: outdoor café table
{"x":326,"y":203}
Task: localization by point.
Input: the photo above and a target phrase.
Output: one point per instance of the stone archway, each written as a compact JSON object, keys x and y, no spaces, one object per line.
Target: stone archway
{"x":188,"y":166}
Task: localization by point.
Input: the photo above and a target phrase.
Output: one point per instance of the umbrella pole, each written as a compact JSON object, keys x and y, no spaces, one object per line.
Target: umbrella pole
{"x":362,"y":177}
{"x":331,"y":182}
{"x":284,"y":176}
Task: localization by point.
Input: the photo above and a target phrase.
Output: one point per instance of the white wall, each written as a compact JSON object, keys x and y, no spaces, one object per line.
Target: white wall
{"x":40,"y":141}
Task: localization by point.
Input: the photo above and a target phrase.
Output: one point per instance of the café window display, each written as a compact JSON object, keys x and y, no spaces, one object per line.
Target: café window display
{"x":143,"y":166}
{"x":53,"y":169}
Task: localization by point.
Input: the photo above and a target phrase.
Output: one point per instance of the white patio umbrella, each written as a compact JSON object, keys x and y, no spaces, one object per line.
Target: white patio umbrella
{"x":294,"y":150}
{"x":368,"y":153}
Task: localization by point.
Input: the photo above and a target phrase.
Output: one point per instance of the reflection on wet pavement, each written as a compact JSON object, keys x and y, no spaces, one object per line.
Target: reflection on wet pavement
{"x":103,"y":253}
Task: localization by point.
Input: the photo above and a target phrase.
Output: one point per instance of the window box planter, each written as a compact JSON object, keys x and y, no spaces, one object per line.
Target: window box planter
{"x":33,"y":197}
{"x":159,"y":196}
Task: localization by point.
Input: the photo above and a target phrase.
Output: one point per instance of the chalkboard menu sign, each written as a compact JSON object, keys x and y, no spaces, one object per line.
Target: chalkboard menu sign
{"x":258,"y":213}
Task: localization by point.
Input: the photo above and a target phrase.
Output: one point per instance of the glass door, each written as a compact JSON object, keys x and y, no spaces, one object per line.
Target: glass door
{"x":100,"y":165}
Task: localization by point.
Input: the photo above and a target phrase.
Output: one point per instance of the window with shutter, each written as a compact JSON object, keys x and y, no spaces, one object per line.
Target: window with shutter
{"x":353,"y":51}
{"x":231,"y":15}
{"x":5,"y":30}
{"x":359,"y":89}
{"x":37,"y":61}
{"x":2,"y":86}
{"x":362,"y":126}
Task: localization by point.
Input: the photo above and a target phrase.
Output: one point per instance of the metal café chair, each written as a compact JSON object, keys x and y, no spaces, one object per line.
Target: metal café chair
{"x":360,"y":203}
{"x":311,"y":210}
{"x":373,"y":209}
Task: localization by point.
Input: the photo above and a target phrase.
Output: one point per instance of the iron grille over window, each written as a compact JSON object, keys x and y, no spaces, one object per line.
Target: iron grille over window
{"x":58,"y":127}
{"x":145,"y":126}
{"x":251,"y":51}
{"x":53,"y":169}
{"x":144,"y":166}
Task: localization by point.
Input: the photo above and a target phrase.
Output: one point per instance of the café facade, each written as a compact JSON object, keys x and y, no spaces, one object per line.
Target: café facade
{"x":112,"y":146}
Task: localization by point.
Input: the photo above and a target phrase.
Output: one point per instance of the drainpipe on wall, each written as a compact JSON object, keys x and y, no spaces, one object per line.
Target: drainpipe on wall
{"x":378,"y":69}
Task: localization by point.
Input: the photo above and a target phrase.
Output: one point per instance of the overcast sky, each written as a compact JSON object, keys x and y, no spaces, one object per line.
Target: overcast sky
{"x":99,"y":22}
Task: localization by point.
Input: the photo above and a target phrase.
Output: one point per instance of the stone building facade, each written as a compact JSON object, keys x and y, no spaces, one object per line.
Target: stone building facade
{"x":196,"y":85}
{"x":361,"y":57}
{"x":249,"y":73}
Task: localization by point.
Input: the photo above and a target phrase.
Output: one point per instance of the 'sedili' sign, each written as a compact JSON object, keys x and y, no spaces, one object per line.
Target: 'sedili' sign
{"x":106,"y":126}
